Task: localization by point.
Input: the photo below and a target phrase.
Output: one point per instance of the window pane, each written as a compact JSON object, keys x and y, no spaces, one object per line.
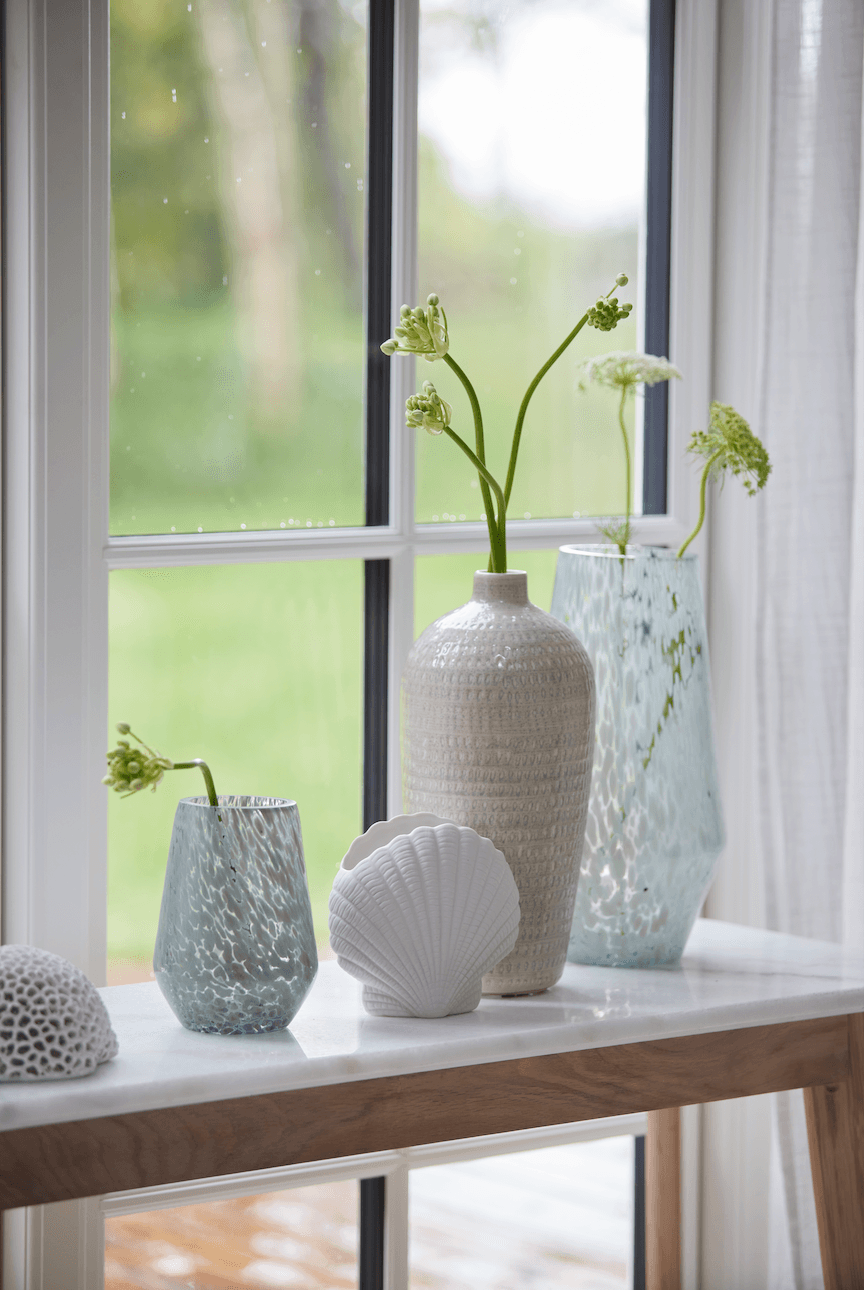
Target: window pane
{"x":444,"y":582}
{"x":257,"y":669}
{"x":558,"y":1217}
{"x":306,"y":1237}
{"x":532,"y":165}
{"x":237,"y":173}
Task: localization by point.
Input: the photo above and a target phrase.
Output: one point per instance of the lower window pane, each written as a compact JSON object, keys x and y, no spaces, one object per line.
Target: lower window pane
{"x":443,"y":582}
{"x":302,"y":1238}
{"x":562,"y":1216}
{"x":257,"y":669}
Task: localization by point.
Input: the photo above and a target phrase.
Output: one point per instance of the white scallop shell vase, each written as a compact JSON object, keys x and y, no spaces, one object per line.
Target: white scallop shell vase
{"x":420,"y":917}
{"x":498,"y":735}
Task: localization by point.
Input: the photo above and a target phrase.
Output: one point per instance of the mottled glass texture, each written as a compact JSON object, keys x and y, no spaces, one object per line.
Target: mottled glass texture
{"x":235,"y":951}
{"x":655,"y":822}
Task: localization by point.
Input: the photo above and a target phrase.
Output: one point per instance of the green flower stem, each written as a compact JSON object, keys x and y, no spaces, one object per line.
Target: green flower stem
{"x":626,"y":458}
{"x":517,"y":433}
{"x":205,"y":771}
{"x":479,"y":442}
{"x":497,"y":530}
{"x":703,"y":485}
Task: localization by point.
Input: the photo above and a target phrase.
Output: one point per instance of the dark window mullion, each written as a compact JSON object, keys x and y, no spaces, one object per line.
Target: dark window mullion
{"x":373,"y":1192}
{"x":379,"y":213}
{"x":375,"y":662}
{"x":658,"y":218}
{"x":639,"y":1213}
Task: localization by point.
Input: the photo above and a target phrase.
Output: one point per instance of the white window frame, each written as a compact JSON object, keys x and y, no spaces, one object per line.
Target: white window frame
{"x":395,"y":1166}
{"x":56,"y":547}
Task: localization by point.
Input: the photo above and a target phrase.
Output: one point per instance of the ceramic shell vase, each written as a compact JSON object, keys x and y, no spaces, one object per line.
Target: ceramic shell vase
{"x":655,"y":824}
{"x":235,"y":951}
{"x":420,"y":917}
{"x":498,"y":733}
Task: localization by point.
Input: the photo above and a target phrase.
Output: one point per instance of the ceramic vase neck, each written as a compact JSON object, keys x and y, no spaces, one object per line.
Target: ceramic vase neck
{"x":510,"y":588}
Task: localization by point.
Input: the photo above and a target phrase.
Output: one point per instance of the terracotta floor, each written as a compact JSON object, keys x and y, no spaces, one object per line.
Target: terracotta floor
{"x":292,"y":1239}
{"x":553,"y":1219}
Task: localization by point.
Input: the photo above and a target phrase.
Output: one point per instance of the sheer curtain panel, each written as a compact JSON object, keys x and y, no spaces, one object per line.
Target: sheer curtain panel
{"x":809,"y":629}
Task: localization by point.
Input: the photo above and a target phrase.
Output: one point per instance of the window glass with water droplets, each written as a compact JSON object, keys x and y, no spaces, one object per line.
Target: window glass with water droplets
{"x":237,"y":177}
{"x":532,"y":192}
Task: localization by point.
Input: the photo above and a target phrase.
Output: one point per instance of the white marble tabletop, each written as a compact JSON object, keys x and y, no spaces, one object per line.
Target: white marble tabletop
{"x":730,"y":977}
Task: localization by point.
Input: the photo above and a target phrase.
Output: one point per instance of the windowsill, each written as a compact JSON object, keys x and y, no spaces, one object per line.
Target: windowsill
{"x":731,"y":978}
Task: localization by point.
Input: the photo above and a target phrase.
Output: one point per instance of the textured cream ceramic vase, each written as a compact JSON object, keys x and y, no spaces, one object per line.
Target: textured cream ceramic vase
{"x":498,"y":735}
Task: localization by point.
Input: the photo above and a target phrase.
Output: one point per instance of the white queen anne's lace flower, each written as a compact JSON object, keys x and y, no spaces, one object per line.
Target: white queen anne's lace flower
{"x":625,"y":369}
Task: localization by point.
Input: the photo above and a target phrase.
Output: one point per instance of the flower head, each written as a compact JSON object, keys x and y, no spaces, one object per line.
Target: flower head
{"x":420,"y":331}
{"x":427,"y":411}
{"x":606,"y":314}
{"x":130,"y":769}
{"x":730,"y":444}
{"x":617,"y":532}
{"x":625,"y":369}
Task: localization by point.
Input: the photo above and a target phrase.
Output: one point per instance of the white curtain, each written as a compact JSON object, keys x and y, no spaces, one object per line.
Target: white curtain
{"x":810,"y":636}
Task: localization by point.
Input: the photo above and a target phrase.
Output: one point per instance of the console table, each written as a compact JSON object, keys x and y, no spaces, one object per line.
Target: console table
{"x":748,"y":1012}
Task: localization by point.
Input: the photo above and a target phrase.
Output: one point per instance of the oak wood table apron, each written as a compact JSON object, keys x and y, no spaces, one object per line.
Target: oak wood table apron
{"x":748,"y":1012}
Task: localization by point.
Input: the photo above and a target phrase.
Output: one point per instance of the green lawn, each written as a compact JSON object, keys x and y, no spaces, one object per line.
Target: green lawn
{"x":257,"y":669}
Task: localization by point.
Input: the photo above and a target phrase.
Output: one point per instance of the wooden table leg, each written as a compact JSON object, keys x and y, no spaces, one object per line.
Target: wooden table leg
{"x":835,"y":1130}
{"x":663,"y":1200}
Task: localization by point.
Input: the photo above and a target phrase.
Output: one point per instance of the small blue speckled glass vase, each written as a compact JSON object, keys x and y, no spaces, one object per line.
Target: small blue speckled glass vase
{"x":235,"y":950}
{"x":655,"y":823}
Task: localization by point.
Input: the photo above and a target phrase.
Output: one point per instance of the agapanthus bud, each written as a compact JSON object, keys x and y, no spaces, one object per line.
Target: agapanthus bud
{"x":621,"y":280}
{"x":130,"y":769}
{"x":123,"y":727}
{"x":420,"y":331}
{"x":427,"y":411}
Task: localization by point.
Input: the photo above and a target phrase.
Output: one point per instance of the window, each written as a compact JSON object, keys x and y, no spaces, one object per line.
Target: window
{"x":59,"y":543}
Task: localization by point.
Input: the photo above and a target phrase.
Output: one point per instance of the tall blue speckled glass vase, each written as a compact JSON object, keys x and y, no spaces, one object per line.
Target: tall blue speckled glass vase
{"x":235,"y":950}
{"x":655,"y":823}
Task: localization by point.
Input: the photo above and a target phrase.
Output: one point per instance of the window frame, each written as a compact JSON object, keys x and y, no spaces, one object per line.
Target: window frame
{"x":57,"y":551}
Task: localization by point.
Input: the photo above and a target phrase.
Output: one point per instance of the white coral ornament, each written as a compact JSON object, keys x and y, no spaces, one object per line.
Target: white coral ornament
{"x":53,"y":1024}
{"x":421,"y":919}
